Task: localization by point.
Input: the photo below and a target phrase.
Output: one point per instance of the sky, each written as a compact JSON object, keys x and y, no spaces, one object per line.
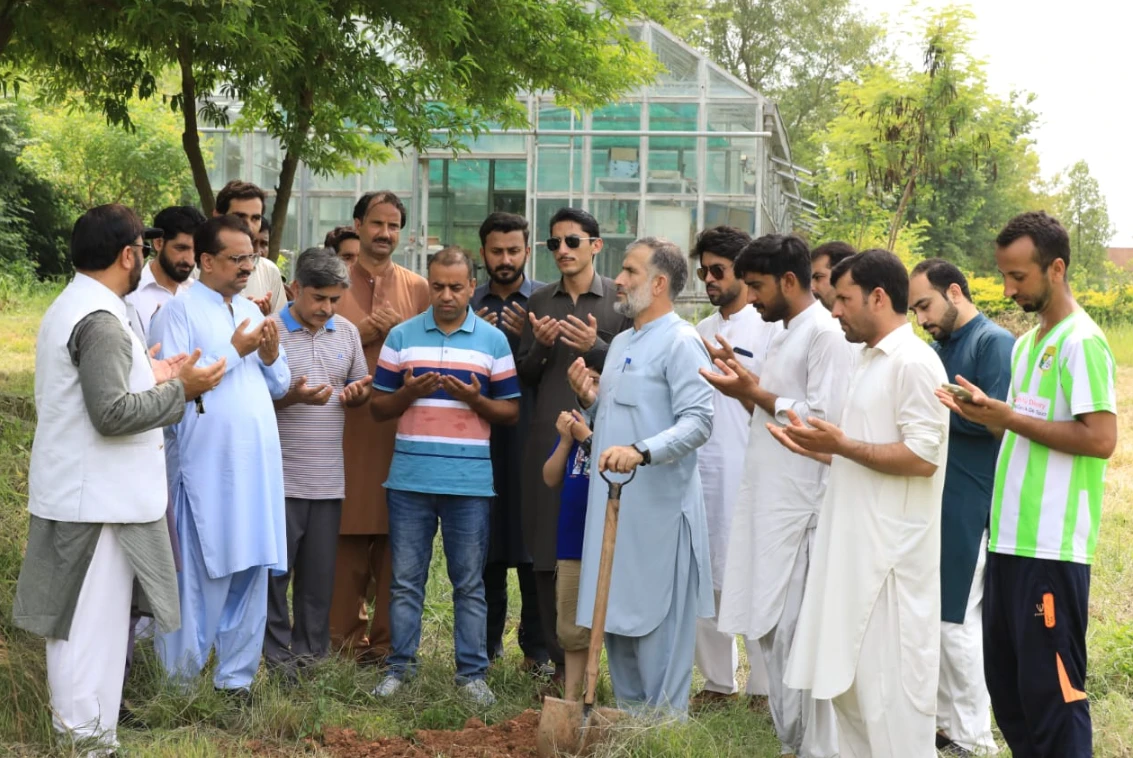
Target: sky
{"x":1077,"y":57}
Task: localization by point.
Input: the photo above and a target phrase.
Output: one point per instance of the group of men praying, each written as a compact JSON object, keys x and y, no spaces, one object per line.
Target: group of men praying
{"x":901,"y":531}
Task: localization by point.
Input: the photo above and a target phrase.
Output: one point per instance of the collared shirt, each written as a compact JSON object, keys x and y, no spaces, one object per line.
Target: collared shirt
{"x":442,"y":445}
{"x":226,"y":462}
{"x":149,"y":296}
{"x":873,"y":525}
{"x":310,"y":436}
{"x":483,"y":297}
{"x":721,"y":460}
{"x":651,"y":392}
{"x":1046,"y":503}
{"x":807,"y":367}
{"x":545,"y":369}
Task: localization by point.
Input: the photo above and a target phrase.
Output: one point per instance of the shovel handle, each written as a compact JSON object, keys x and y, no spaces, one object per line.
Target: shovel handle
{"x":602,"y":594}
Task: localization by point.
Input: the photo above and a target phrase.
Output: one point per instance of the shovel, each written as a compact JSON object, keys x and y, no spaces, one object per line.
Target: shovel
{"x":572,"y":727}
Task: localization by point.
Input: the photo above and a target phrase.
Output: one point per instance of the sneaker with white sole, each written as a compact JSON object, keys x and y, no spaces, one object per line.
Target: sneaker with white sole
{"x":477,"y":690}
{"x":387,"y":686}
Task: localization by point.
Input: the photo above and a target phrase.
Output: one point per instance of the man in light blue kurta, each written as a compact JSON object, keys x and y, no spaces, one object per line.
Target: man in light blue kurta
{"x":652,"y":412}
{"x":224,"y":464}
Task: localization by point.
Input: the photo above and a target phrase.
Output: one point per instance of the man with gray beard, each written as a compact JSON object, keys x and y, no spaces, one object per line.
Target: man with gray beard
{"x":652,"y":410}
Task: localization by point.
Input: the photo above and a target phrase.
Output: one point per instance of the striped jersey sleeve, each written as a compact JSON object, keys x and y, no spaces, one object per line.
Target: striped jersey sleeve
{"x":504,"y":383}
{"x":1088,"y":374}
{"x":388,"y":372}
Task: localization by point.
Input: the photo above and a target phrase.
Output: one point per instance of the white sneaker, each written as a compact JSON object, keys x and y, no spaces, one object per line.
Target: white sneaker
{"x":387,"y":686}
{"x":478,"y":691}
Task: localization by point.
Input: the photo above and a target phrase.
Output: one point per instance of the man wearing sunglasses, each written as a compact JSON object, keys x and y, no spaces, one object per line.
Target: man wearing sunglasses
{"x":225,"y":465}
{"x":734,"y":332}
{"x":573,"y":317}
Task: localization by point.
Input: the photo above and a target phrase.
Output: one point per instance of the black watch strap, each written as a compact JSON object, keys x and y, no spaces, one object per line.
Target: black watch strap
{"x":646,"y":458}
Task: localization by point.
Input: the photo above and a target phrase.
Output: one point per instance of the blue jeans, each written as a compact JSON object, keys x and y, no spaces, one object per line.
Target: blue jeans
{"x":413,"y":518}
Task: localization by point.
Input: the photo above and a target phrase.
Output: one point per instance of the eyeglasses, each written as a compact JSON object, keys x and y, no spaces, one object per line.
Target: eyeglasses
{"x":240,"y":260}
{"x":572,"y":241}
{"x":718,"y":271}
{"x":146,"y":247}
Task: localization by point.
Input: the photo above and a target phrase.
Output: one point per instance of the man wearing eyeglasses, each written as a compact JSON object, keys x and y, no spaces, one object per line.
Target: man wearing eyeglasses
{"x":247,"y":202}
{"x":225,"y":465}
{"x":734,"y":332}
{"x":572,"y":317}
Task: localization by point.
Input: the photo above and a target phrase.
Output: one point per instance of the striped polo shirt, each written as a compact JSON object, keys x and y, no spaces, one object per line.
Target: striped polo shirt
{"x":442,"y":444}
{"x":310,"y":436}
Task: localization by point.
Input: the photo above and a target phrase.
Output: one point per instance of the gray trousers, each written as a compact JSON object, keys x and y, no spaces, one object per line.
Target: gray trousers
{"x":312,"y":537}
{"x":651,"y":675}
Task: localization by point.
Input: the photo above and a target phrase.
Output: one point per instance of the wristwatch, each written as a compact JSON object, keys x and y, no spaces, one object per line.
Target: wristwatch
{"x":646,"y":458}
{"x":586,"y":444}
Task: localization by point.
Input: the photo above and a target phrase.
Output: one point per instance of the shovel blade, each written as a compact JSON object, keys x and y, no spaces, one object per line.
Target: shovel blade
{"x":560,"y":728}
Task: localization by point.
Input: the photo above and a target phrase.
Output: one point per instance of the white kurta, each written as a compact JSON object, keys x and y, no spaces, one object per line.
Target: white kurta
{"x":721,"y":460}
{"x":807,"y":367}
{"x":874,"y":525}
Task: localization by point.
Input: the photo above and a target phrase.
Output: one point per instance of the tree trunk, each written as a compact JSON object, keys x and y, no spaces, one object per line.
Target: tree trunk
{"x":287,"y":177}
{"x":902,"y":206}
{"x":191,"y":138}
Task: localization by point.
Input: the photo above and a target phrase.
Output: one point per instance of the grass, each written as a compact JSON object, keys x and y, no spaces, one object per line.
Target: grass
{"x":289,"y":722}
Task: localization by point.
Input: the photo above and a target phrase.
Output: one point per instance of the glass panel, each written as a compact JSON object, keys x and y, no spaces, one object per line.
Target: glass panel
{"x":731,"y":161}
{"x":616,"y":161}
{"x":458,"y":201}
{"x":551,"y":116}
{"x":266,"y":160}
{"x":554,"y":168}
{"x":332,"y":182}
{"x":212,"y":143}
{"x":498,"y":143}
{"x":324,"y":214}
{"x":720,"y":85}
{"x":672,"y":160}
{"x":290,"y":241}
{"x":396,"y":175}
{"x":680,"y":75}
{"x":723,"y":213}
{"x":617,"y":218}
{"x":228,"y":158}
{"x":675,"y":221}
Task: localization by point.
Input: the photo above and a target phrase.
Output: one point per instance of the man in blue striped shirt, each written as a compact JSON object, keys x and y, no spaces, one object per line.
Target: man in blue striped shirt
{"x":447,"y":376}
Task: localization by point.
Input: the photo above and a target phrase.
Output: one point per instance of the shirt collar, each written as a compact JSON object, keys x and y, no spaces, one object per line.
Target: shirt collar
{"x":469,"y":324}
{"x":806,"y":314}
{"x":893,"y":340}
{"x":965,"y":329}
{"x":149,"y":280}
{"x":597,"y":286}
{"x":525,"y":289}
{"x":293,"y":324}
{"x":659,"y":321}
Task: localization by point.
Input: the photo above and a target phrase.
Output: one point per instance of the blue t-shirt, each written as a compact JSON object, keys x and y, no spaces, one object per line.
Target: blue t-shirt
{"x":572,"y":503}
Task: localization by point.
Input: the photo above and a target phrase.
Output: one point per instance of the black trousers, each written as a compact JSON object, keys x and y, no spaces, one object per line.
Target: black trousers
{"x":312,"y":538}
{"x":549,"y":615}
{"x":530,"y":634}
{"x":1034,"y":622}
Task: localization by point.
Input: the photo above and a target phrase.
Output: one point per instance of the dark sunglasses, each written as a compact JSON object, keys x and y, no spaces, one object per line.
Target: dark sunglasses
{"x":572,"y":241}
{"x":716,"y":269}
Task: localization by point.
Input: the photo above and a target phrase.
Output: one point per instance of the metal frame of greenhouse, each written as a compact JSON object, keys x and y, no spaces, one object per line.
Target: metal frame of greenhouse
{"x":695,"y":149}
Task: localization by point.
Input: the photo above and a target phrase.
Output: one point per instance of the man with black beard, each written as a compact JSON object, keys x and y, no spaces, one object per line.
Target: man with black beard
{"x":501,"y":301}
{"x":167,"y":273}
{"x":744,"y":337}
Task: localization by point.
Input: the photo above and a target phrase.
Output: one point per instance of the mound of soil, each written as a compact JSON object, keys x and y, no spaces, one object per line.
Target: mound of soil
{"x":508,"y":739}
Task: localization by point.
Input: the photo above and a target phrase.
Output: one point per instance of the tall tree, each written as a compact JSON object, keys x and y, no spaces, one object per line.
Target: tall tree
{"x":795,"y":52}
{"x":338,"y":81}
{"x":1081,"y":206}
{"x":902,"y":129}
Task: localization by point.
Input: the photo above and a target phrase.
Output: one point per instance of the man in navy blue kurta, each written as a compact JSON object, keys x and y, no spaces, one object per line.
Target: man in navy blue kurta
{"x":224,"y":464}
{"x":969,"y":344}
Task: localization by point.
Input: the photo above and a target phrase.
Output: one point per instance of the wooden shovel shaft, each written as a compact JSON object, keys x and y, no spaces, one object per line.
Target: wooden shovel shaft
{"x":602,"y":595}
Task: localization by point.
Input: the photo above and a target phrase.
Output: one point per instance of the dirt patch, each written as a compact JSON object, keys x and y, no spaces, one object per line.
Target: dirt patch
{"x":508,"y":739}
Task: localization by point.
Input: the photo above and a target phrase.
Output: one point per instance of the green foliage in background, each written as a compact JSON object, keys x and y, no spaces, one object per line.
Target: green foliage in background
{"x":90,"y":162}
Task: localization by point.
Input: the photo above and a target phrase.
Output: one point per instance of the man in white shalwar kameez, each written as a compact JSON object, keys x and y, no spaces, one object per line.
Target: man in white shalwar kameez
{"x":772,"y":538}
{"x":869,"y":632}
{"x":735,"y":331}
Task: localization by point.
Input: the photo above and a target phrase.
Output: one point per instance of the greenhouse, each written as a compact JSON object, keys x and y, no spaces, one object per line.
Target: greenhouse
{"x":695,"y":149}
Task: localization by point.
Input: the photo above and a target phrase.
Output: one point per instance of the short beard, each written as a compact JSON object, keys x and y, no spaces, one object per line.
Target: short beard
{"x":171,"y":270}
{"x":947,"y":324}
{"x":725,"y":298}
{"x":510,"y":278}
{"x":636,"y":301}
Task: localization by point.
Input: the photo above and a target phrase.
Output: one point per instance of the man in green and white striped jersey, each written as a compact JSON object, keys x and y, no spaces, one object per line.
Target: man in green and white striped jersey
{"x":1059,"y":427}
